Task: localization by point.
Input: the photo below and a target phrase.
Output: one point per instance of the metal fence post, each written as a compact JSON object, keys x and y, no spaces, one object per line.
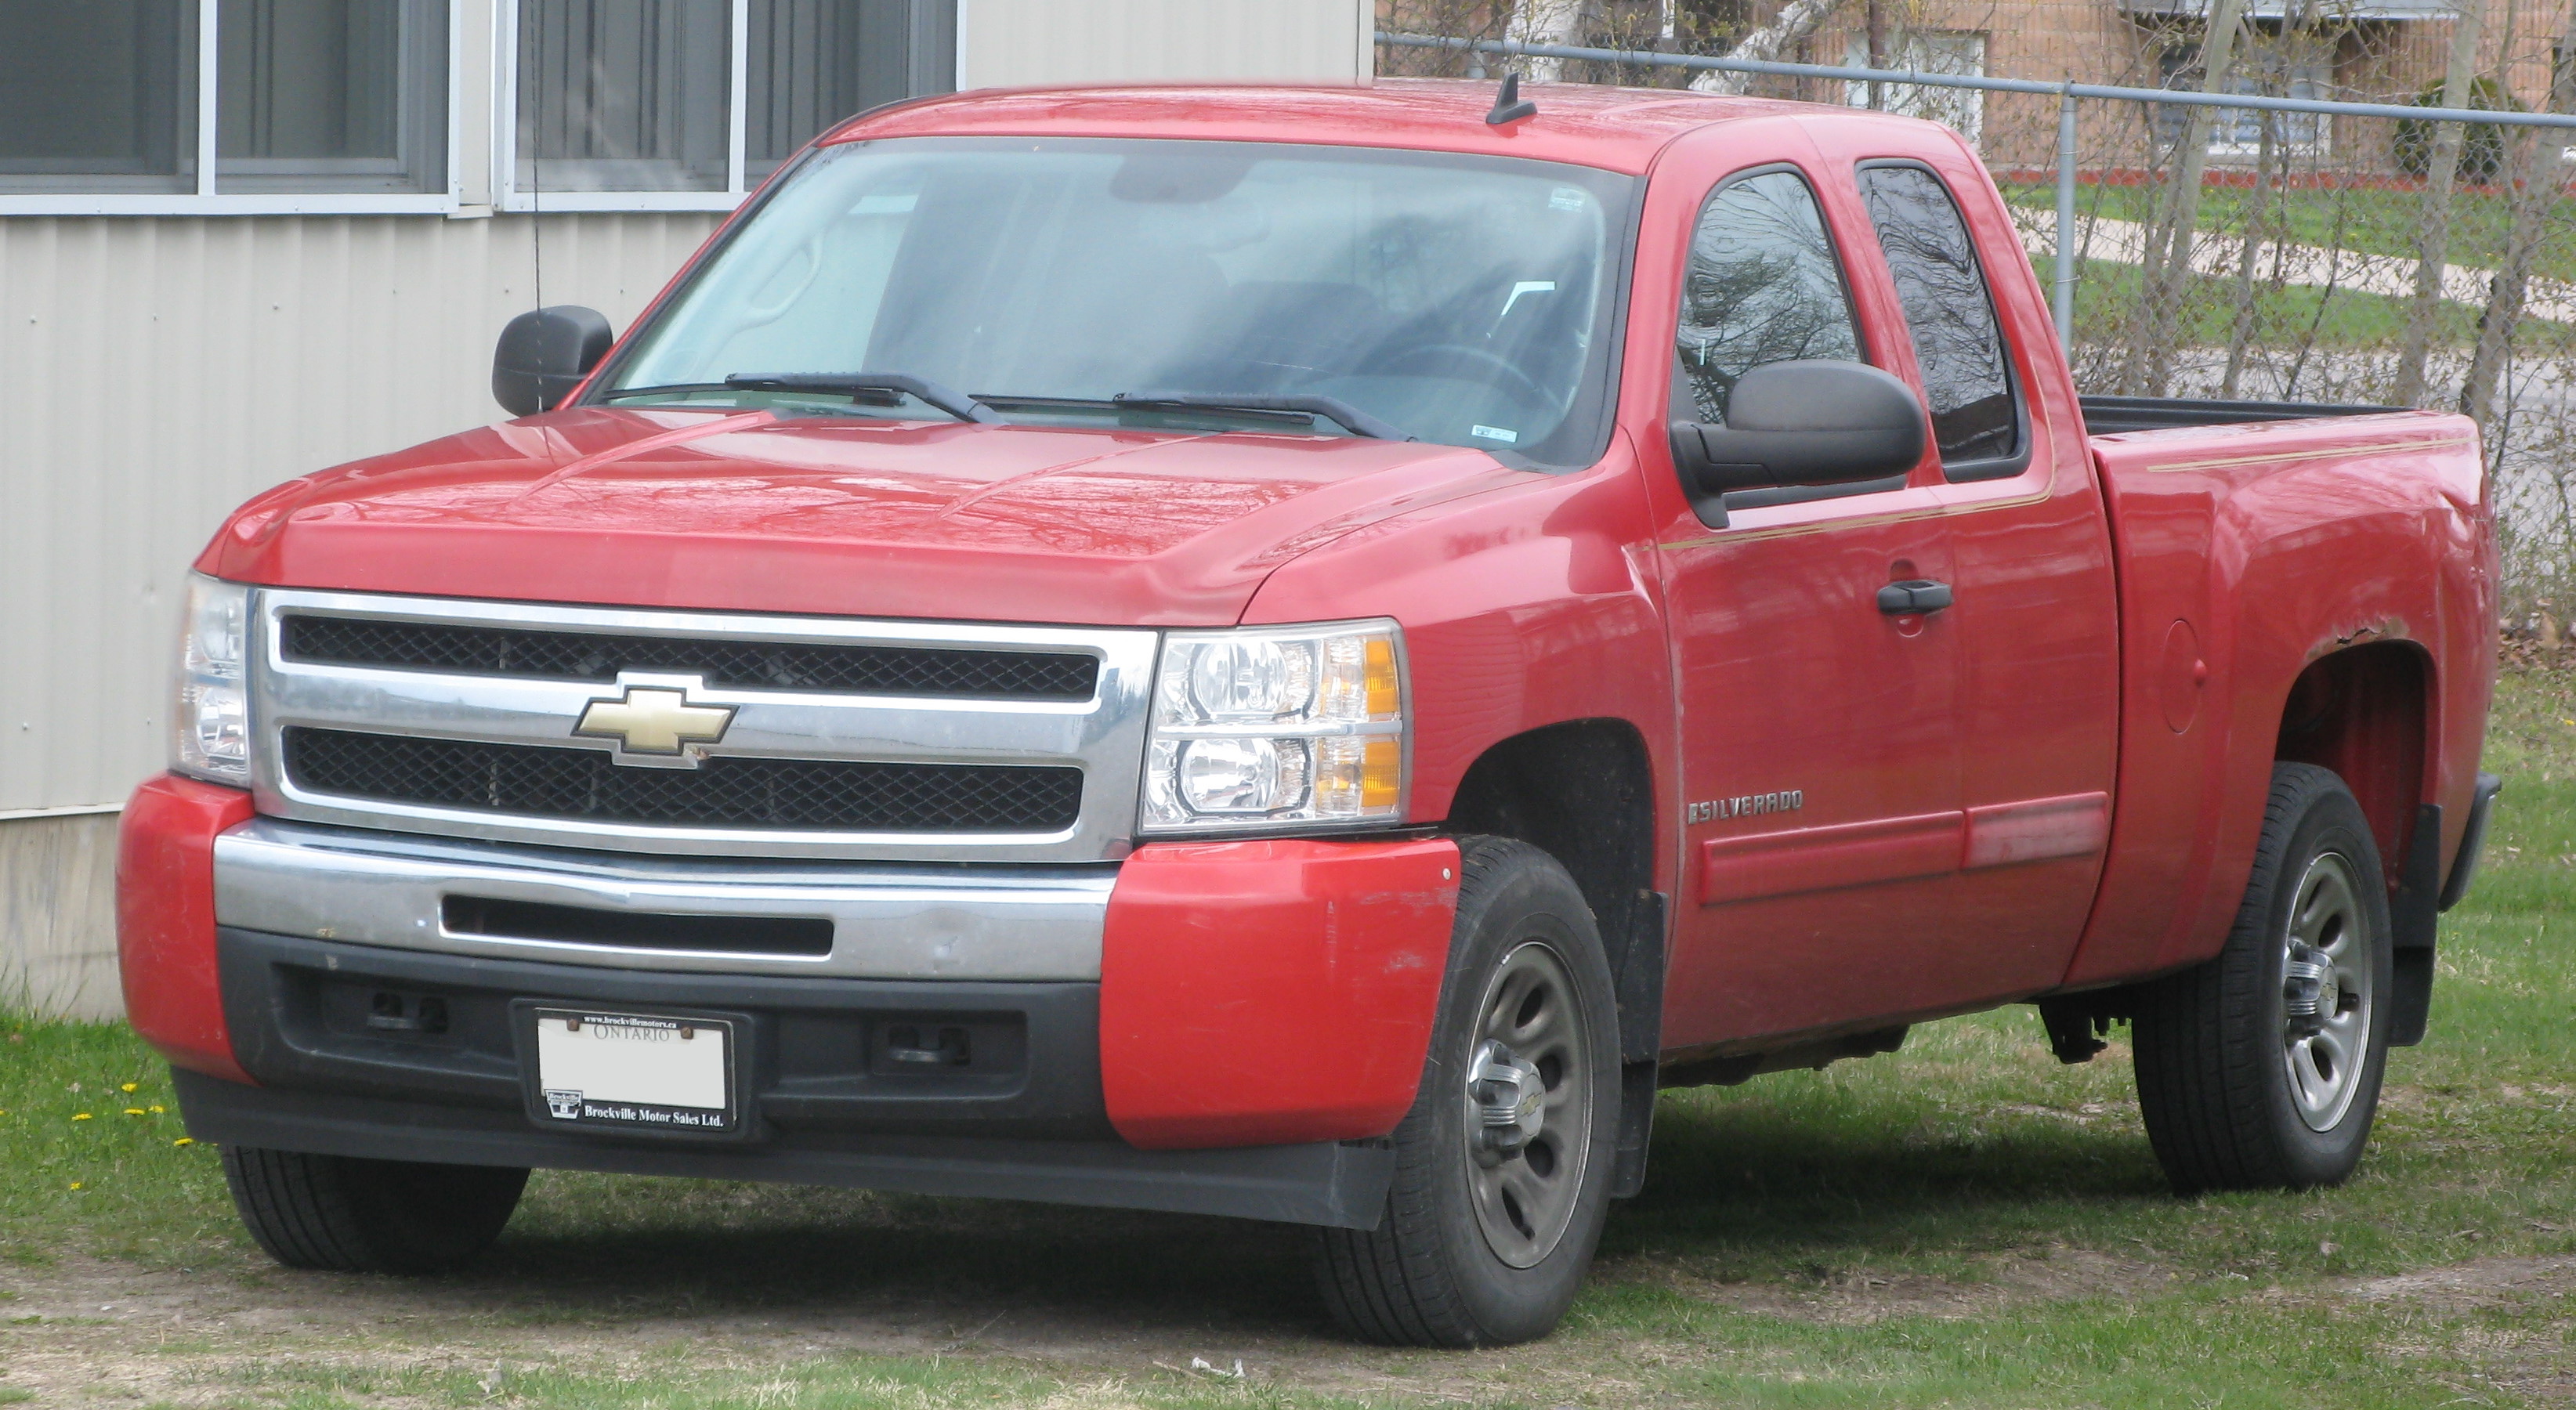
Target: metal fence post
{"x":2064,"y":304}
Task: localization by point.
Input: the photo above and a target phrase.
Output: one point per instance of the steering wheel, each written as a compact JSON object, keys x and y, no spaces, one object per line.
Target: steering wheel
{"x":1501,"y":370}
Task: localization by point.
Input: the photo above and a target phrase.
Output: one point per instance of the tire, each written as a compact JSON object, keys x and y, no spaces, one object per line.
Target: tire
{"x":346,"y":1215}
{"x":1486,"y":1237}
{"x":2256,"y":1071}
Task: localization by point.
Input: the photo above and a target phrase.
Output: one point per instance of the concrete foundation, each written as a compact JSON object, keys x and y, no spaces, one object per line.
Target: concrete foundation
{"x":58,"y":915}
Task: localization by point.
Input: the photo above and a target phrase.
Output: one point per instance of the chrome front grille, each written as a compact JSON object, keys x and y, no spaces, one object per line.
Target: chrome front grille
{"x":845,"y":739}
{"x":841,"y":795}
{"x":752,"y":665}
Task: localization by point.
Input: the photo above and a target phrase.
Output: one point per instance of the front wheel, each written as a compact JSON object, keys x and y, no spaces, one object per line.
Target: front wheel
{"x":2261,"y":1068}
{"x":1503,"y":1165}
{"x":347,"y":1215}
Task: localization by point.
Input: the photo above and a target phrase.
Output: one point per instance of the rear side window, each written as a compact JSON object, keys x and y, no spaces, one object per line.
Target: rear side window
{"x":1762,"y":286}
{"x":1976,"y":419}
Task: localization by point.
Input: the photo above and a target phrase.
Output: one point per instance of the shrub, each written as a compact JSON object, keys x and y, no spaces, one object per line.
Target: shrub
{"x":2481,"y":149}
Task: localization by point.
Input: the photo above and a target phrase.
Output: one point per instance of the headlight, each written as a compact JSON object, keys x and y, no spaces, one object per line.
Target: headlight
{"x":212,"y":725}
{"x":1277,"y":727}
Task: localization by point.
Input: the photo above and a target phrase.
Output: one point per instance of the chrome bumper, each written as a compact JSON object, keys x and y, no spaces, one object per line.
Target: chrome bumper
{"x":889,"y":921}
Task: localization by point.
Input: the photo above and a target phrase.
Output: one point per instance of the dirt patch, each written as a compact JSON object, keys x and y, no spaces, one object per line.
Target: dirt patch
{"x":2464,"y":1287}
{"x":86,"y":1329}
{"x":1866,"y":1295}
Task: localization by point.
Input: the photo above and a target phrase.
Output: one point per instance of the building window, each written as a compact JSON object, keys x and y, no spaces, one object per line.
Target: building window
{"x":211,"y":107}
{"x":2291,"y":65}
{"x":684,"y":104}
{"x":1927,"y":51}
{"x":331,"y":95}
{"x":337,"y":97}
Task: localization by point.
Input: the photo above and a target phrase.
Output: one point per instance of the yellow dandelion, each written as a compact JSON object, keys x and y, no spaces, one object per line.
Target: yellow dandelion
{"x":83,"y":1116}
{"x":128,"y":1087}
{"x":183,"y":1141}
{"x":76,"y":1184}
{"x":156,"y":1111}
{"x":134,"y":1111}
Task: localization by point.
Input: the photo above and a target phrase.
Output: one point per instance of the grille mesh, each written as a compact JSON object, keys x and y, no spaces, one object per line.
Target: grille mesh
{"x":753,"y":665}
{"x":800,"y":794}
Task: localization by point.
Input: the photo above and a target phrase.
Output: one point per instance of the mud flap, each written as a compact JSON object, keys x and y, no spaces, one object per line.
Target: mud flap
{"x":1641,"y":1036}
{"x":2414,"y":915}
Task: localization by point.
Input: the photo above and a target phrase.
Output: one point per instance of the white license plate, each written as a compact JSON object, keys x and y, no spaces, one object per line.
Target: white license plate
{"x":644,"y":1071}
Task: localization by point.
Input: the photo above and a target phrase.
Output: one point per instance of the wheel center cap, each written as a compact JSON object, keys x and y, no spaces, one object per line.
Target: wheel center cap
{"x":2310,"y":992}
{"x":1509,"y":1098}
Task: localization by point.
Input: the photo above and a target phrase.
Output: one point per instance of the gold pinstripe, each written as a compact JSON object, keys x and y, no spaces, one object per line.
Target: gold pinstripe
{"x":1865,"y":521}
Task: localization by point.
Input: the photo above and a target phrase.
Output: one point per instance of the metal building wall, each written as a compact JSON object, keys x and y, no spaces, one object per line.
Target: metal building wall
{"x":1008,"y":42}
{"x":156,"y":372}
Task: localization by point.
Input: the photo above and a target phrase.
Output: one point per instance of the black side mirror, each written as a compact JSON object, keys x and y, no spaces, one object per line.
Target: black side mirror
{"x":1800,"y":423}
{"x":544,"y":354}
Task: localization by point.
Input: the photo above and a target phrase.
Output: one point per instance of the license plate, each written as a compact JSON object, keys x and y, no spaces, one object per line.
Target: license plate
{"x":643,"y":1072}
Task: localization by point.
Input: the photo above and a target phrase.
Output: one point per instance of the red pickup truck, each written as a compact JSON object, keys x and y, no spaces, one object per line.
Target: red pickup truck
{"x":1296,"y":653}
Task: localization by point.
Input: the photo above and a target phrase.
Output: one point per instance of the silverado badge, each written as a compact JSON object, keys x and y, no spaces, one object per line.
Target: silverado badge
{"x":656,"y":720}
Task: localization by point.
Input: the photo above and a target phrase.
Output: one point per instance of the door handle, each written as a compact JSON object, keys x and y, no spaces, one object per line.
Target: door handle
{"x":1913,"y":597}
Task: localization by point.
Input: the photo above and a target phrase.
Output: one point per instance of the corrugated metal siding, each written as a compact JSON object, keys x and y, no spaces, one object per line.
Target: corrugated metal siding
{"x":154,"y":372}
{"x":1009,"y":42}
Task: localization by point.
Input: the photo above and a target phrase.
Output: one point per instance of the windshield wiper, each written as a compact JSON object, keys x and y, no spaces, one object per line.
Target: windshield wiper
{"x":850,"y":384}
{"x":1341,"y":413}
{"x":624,"y":392}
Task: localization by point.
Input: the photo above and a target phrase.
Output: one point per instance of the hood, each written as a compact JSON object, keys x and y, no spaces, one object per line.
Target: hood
{"x":752,"y":513}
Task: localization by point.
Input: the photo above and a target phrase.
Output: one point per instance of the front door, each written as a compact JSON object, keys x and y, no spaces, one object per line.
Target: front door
{"x":1821,"y":770}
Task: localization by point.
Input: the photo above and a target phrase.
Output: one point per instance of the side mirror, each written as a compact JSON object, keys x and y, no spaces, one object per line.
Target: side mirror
{"x":1800,"y":423}
{"x":544,"y":354}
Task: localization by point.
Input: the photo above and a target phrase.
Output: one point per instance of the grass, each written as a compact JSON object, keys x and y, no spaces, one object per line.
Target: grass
{"x":1963,"y":1223}
{"x":2365,"y":219}
{"x":2287,"y":316}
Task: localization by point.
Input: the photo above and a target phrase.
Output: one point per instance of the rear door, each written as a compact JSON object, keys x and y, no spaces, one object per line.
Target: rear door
{"x":1820,"y":735}
{"x":2034,"y":597}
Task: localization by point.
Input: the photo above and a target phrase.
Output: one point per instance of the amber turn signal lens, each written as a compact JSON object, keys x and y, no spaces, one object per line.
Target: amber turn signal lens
{"x":1382,"y":774}
{"x":1385,"y":697}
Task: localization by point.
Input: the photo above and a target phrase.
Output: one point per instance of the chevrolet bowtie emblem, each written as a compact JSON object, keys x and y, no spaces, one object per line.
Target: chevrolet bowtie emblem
{"x":654,"y":720}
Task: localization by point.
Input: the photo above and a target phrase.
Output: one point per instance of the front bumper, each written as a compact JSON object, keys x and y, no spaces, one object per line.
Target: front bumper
{"x":822,"y":1102}
{"x":1213,"y":1027}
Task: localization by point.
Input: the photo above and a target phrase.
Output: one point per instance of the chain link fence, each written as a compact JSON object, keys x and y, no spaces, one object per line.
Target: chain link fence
{"x":2270,"y":235}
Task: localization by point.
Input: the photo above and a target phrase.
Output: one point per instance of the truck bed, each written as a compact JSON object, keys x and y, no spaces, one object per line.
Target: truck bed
{"x":2110,"y":416}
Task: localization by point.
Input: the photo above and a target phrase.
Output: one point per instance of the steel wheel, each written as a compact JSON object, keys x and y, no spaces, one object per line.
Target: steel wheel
{"x":2326,"y":986}
{"x":1529,"y":1105}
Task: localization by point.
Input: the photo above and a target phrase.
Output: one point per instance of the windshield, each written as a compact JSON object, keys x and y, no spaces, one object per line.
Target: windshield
{"x":1331,"y":290}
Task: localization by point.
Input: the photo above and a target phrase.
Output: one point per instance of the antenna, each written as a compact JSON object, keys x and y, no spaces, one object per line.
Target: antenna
{"x":1508,"y":105}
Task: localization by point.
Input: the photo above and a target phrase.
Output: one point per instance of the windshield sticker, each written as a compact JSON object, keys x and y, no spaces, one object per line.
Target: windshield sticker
{"x":1495,"y":433}
{"x":1567,"y":198}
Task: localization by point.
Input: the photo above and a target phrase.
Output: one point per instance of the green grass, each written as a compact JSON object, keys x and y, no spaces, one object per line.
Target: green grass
{"x":2289,"y":316}
{"x":1964,"y":1223}
{"x":2372,"y":221}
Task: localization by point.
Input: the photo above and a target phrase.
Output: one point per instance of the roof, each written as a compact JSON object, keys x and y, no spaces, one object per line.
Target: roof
{"x":1618,"y":129}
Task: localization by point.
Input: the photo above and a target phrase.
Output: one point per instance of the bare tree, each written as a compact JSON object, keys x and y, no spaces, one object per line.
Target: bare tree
{"x":2433,"y":247}
{"x":1796,"y":20}
{"x":2167,"y":277}
{"x":2541,"y":180}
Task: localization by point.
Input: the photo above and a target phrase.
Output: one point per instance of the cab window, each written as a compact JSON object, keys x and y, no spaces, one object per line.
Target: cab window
{"x":1762,"y":286}
{"x":1967,"y":376}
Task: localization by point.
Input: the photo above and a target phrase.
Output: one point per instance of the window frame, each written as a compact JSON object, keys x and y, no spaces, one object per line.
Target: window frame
{"x":207,"y":199}
{"x":1993,"y":467}
{"x":506,"y":195}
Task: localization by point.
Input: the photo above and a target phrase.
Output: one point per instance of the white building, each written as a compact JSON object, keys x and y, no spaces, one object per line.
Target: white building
{"x":241,"y":240}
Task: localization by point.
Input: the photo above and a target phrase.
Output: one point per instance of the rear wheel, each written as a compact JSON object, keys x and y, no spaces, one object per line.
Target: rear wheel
{"x":2262,"y":1067}
{"x":343,"y":1214}
{"x":1503,"y":1165}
